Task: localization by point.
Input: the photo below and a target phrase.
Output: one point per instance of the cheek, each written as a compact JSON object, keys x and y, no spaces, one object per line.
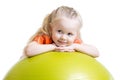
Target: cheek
{"x":55,"y":36}
{"x":72,"y":39}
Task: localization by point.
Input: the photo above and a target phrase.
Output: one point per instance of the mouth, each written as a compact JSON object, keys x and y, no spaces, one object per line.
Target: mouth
{"x":62,"y":42}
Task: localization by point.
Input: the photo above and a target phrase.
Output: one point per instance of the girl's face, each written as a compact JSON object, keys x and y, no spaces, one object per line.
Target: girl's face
{"x":64,"y":31}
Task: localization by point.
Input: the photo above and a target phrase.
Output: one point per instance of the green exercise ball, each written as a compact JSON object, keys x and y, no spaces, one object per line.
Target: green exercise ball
{"x":59,"y":66}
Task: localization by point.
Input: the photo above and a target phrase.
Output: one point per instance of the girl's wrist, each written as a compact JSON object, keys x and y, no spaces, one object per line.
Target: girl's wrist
{"x":76,"y":46}
{"x":53,"y":46}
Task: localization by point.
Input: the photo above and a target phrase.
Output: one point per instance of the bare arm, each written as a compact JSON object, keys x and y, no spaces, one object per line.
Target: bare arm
{"x":85,"y":48}
{"x":35,"y":48}
{"x":88,"y":49}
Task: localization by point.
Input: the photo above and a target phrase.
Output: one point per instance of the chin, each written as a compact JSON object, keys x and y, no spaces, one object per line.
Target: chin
{"x":59,"y":45}
{"x":62,"y":46}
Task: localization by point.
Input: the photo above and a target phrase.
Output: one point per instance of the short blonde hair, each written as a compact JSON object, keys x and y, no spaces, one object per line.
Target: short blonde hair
{"x":65,"y":11}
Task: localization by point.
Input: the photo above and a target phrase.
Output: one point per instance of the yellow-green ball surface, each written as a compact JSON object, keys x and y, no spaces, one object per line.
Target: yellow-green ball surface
{"x":59,"y":66}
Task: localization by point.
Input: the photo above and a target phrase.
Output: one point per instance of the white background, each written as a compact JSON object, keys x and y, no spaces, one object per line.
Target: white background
{"x":19,"y":19}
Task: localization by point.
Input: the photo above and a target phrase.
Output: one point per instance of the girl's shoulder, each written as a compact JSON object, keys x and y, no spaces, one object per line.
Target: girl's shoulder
{"x":43,"y":39}
{"x":78,"y":41}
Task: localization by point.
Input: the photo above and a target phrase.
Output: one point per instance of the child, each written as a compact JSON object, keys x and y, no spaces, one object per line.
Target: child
{"x":60,"y":32}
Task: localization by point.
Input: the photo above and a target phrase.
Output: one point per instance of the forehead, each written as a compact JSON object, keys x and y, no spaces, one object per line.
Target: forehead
{"x":67,"y":23}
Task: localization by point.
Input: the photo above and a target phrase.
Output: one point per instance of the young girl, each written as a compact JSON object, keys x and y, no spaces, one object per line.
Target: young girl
{"x":60,"y":32}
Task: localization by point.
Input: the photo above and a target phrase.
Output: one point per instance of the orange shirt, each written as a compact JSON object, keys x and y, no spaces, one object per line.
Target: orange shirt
{"x":45,"y":39}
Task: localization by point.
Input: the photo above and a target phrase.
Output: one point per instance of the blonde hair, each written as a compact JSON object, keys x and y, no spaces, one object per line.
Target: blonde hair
{"x":60,"y":11}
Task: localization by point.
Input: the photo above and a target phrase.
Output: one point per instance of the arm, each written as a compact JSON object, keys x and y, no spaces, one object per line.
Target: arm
{"x":35,"y":48}
{"x":85,"y":48}
{"x":88,"y":49}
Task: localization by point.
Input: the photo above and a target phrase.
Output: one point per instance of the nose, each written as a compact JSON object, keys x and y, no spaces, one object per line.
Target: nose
{"x":63,"y":37}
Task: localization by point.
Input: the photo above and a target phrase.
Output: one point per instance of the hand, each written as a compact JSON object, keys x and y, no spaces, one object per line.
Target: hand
{"x":70,"y":48}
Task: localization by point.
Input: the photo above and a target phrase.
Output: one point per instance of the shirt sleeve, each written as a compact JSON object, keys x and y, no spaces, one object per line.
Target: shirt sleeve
{"x":78,"y":41}
{"x":43,"y":39}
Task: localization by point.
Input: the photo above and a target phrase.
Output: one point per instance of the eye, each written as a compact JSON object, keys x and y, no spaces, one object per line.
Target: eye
{"x":59,"y":31}
{"x":70,"y":34}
